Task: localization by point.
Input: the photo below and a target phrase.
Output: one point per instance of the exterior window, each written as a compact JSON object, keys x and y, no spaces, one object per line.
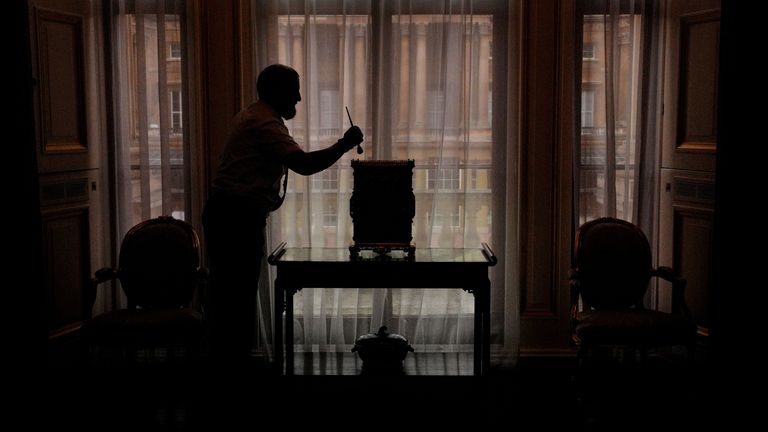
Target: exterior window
{"x":605,"y":184}
{"x":152,"y":172}
{"x":456,"y":219}
{"x":588,"y":52}
{"x":176,"y":111}
{"x":174,"y":51}
{"x":453,"y":221}
{"x":588,"y":108}
{"x":447,"y":177}
{"x":330,"y":216}
{"x":435,"y":110}
{"x":329,"y":113}
{"x":326,"y":180}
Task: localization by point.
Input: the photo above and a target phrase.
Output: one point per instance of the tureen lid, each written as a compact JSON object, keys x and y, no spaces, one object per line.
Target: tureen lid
{"x":381,"y":337}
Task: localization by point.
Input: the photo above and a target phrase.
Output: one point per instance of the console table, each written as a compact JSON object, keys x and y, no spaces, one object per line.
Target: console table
{"x":298,"y":268}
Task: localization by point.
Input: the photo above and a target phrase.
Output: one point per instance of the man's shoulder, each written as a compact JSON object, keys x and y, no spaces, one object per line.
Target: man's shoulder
{"x":264,"y":110}
{"x":259,"y":115}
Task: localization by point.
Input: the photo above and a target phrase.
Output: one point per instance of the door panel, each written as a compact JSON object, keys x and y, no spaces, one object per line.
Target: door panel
{"x":65,"y":233}
{"x":690,"y":85}
{"x":61,"y":88}
{"x":697,"y":86}
{"x":687,"y":210}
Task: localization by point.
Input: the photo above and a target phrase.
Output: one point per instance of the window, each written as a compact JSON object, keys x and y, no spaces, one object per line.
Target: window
{"x":446,"y":177}
{"x":326,"y":180}
{"x":588,"y":51}
{"x":440,"y":96}
{"x":420,"y":87}
{"x":587,"y":108}
{"x":435,"y":111}
{"x":330,"y":109}
{"x":453,"y":222}
{"x":176,"y":111}
{"x":330,"y":216}
{"x":152,"y":172}
{"x":609,"y":126}
{"x":329,"y":113}
{"x":456,"y":219}
{"x":174,"y":51}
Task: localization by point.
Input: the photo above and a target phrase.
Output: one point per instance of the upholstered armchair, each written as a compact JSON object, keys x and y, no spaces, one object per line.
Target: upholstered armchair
{"x":609,"y":278}
{"x":159,"y":271}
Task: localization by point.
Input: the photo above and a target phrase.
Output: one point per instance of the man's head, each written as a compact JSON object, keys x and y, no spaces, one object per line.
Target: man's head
{"x":278,"y":85}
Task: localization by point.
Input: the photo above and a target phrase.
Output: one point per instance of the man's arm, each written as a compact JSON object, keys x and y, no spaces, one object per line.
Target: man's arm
{"x":308,"y":163}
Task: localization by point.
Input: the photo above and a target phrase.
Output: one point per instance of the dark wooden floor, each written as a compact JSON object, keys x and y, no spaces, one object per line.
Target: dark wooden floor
{"x":540,"y":394}
{"x":415,"y":364}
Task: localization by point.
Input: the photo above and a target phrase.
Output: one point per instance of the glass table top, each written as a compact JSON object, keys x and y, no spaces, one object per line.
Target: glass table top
{"x":468,"y":255}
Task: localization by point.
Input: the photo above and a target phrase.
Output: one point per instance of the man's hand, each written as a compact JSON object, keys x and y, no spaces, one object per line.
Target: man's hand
{"x":352,"y":137}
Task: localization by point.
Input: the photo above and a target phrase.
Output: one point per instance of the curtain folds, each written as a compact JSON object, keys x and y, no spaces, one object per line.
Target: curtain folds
{"x":618,"y":158}
{"x":147,"y":47}
{"x":620,"y":109}
{"x":426,"y":81}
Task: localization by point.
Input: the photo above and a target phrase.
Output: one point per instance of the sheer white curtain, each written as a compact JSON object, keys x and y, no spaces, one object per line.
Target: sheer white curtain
{"x":618,"y":154}
{"x":150,"y":170}
{"x":425,"y":80}
{"x":620,"y":108}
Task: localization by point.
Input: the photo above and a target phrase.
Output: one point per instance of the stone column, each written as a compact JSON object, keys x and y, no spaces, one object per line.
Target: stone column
{"x":484,"y":75}
{"x":405,"y":71}
{"x":295,"y":57}
{"x":360,"y":77}
{"x":421,"y":76}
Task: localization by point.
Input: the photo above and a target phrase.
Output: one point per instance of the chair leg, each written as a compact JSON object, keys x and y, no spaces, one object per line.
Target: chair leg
{"x":692,"y":355}
{"x":580,"y":374}
{"x":644,"y":357}
{"x":581,"y":357}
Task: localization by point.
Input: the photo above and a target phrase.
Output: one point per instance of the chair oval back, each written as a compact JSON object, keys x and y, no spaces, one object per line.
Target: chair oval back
{"x":159,"y":260}
{"x":613,"y":260}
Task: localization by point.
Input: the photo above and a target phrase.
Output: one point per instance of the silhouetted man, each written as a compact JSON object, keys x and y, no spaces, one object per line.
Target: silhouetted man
{"x":245,"y":189}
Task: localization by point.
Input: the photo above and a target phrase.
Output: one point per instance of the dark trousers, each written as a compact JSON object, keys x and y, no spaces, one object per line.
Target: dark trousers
{"x":234,"y":238}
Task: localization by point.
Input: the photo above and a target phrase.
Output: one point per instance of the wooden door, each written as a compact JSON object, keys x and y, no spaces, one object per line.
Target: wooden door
{"x":70,"y":141}
{"x":689,"y":130}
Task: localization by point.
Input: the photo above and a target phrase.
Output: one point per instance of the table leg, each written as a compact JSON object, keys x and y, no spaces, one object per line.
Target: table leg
{"x":478,"y":342}
{"x":289,"y":292}
{"x":278,"y":325}
{"x":486,"y":290}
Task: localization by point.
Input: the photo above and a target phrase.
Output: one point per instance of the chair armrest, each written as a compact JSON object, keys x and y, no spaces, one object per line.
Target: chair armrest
{"x":203,"y":278}
{"x":488,"y":253}
{"x":575,"y":288}
{"x":274,"y":257}
{"x":89,"y":295}
{"x":202,"y":274}
{"x":104,"y":274}
{"x":678,"y":288}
